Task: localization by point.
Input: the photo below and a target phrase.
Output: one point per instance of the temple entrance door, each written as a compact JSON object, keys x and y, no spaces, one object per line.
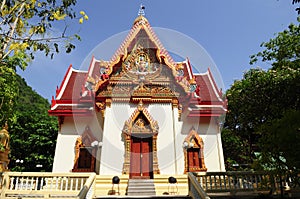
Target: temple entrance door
{"x":194,"y":161}
{"x":141,"y":159}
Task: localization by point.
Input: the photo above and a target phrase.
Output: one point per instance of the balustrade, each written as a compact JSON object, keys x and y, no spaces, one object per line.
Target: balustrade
{"x":46,"y":185}
{"x":247,"y":183}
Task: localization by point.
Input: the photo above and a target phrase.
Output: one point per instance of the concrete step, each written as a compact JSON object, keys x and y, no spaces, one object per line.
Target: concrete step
{"x":141,"y":187}
{"x":149,"y":197}
{"x":163,"y":187}
{"x":104,"y":186}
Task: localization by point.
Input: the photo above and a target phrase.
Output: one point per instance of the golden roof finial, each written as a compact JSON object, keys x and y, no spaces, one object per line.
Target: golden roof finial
{"x":141,"y":15}
{"x":141,"y":10}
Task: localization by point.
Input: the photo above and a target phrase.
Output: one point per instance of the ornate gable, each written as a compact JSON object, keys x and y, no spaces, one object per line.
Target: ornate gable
{"x":141,"y":69}
{"x":140,"y":121}
{"x":193,"y":140}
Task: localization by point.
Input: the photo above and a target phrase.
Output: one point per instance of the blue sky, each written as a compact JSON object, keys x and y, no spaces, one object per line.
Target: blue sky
{"x":230,"y":31}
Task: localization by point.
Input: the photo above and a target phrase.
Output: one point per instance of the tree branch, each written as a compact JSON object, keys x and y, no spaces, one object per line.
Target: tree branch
{"x":12,"y":31}
{"x":28,"y":38}
{"x":3,"y":4}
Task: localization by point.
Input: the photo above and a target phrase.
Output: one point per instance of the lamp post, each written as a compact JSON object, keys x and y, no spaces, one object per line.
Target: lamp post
{"x":39,"y":167}
{"x":19,"y":164}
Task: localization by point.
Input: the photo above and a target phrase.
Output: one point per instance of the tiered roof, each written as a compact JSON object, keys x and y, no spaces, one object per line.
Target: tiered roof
{"x":160,"y":80}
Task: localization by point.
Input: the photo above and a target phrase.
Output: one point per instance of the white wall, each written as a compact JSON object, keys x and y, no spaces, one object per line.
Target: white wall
{"x":209,"y":132}
{"x":171,"y":135}
{"x":162,"y":113}
{"x":71,"y":129}
{"x":65,"y":146}
{"x":112,"y":157}
{"x":112,"y":154}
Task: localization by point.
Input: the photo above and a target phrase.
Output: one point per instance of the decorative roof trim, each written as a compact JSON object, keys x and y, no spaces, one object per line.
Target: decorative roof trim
{"x":189,"y":68}
{"x":57,"y":105}
{"x":200,"y":107}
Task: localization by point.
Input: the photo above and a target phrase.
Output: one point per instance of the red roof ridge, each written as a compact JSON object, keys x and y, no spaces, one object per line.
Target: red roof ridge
{"x":60,"y":91}
{"x":189,"y":68}
{"x":213,"y":84}
{"x":64,"y":80}
{"x":91,"y":67}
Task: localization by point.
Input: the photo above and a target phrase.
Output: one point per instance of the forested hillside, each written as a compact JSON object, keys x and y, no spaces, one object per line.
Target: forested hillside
{"x":33,"y":133}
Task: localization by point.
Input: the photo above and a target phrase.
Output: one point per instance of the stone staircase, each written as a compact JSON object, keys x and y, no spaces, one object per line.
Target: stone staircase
{"x":104,"y":187}
{"x":141,"y":187}
{"x":148,"y":197}
{"x":137,"y":188}
{"x":163,"y":187}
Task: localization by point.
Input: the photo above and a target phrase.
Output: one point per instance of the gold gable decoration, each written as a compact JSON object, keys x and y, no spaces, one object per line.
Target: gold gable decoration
{"x":141,"y":63}
{"x":141,"y":69}
{"x":139,"y":118}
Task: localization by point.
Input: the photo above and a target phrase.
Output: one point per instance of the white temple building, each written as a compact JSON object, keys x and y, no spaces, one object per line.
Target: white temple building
{"x":141,"y":113}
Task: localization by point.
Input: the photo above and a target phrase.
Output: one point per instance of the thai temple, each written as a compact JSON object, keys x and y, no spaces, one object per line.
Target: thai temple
{"x":139,"y":125}
{"x":139,"y":113}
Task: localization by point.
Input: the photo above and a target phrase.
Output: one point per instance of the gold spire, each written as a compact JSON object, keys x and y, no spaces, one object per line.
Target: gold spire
{"x":141,"y":15}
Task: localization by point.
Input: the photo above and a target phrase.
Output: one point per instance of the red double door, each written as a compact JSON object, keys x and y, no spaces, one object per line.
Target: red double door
{"x":141,"y":158}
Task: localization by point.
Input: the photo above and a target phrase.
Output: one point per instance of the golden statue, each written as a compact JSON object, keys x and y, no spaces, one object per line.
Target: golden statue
{"x":4,"y":137}
{"x":4,"y":141}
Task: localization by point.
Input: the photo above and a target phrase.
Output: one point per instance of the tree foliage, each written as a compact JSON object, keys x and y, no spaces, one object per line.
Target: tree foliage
{"x":280,"y":143}
{"x":283,"y":50}
{"x":33,"y":133}
{"x":27,"y":26}
{"x":263,"y":106}
{"x":8,"y":94}
{"x":233,"y":148}
{"x":260,"y":97}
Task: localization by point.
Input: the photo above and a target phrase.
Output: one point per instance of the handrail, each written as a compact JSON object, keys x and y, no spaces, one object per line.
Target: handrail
{"x":236,"y":181}
{"x":195,"y":189}
{"x":46,"y":185}
{"x":245,"y":182}
{"x":87,"y":186}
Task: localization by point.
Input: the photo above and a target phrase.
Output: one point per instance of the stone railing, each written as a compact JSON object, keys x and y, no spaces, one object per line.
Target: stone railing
{"x":242,"y":183}
{"x":195,"y":189}
{"x":46,"y":185}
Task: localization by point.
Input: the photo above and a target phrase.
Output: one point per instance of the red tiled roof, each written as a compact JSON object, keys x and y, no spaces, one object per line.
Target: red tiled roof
{"x":74,"y":86}
{"x":208,"y":91}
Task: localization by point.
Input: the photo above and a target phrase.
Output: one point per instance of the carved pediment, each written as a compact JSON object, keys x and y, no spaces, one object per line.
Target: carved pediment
{"x":142,"y":68}
{"x":140,"y":122}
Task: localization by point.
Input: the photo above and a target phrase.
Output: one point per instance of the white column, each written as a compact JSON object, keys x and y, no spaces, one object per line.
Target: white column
{"x":220,"y":149}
